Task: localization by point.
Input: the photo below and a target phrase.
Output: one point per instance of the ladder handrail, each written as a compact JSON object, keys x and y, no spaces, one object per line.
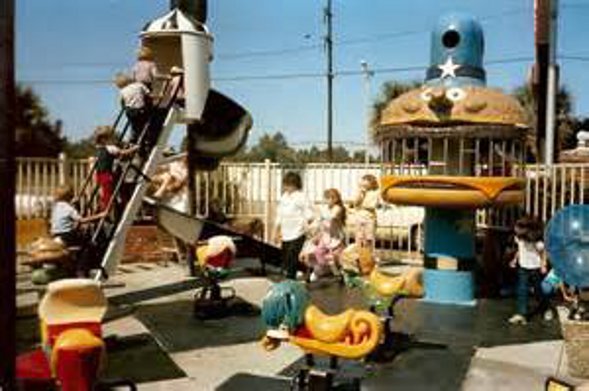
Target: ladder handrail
{"x":90,"y":174}
{"x":120,"y":138}
{"x":129,"y":164}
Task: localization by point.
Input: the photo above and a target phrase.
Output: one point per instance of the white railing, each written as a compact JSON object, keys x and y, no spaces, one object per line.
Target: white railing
{"x":253,"y":190}
{"x":37,"y":179}
{"x":550,"y":188}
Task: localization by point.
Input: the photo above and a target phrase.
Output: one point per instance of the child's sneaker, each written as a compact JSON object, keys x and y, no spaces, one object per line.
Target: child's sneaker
{"x":313,"y":277}
{"x":548,"y":315}
{"x":518,"y":319}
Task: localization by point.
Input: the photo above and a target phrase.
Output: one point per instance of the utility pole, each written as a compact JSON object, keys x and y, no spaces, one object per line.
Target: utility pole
{"x":328,"y":15}
{"x":552,"y":90}
{"x":367,"y":73}
{"x":545,"y":75}
{"x":7,"y":190}
{"x":195,"y":8}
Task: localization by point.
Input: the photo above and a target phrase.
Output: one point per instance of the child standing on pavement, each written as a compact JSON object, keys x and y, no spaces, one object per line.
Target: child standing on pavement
{"x":106,"y":153}
{"x":531,"y":264}
{"x":293,"y":215}
{"x":365,"y":204}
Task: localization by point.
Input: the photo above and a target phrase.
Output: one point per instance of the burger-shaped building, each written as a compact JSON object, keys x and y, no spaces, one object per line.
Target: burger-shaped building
{"x":469,"y":140}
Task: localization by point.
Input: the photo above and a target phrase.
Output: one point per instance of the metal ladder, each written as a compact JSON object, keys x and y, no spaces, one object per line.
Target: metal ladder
{"x":105,"y":239}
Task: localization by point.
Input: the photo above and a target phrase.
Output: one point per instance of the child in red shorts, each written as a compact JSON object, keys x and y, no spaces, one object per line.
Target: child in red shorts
{"x":106,"y":153}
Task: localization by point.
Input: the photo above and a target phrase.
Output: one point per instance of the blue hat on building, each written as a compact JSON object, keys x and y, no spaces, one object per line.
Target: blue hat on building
{"x":456,"y":56}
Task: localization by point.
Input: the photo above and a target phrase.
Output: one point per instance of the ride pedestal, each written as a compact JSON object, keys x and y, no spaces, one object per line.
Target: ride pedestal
{"x":449,"y":256}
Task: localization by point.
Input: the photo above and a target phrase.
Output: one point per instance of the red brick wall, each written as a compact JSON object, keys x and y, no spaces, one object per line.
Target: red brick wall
{"x":145,"y":243}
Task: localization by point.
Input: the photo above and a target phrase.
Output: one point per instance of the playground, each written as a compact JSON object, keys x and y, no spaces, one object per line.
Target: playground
{"x":456,"y":260}
{"x":150,"y":320}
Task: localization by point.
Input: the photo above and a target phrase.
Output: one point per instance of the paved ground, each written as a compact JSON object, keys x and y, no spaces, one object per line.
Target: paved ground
{"x":153,"y":339}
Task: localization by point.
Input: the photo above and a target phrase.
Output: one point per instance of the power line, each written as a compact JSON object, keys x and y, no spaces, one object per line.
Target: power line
{"x":271,"y":52}
{"x":271,"y":77}
{"x":314,"y":75}
{"x":574,"y":58}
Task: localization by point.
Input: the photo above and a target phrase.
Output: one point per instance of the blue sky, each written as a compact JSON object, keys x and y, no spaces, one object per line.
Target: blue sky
{"x":68,"y":51}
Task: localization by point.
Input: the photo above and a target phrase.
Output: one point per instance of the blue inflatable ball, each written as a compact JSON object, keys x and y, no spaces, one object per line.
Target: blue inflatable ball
{"x":285,"y":304}
{"x":567,"y":243}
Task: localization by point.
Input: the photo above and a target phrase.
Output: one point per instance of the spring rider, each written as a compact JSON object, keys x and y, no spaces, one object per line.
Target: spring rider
{"x":50,"y":261}
{"x":72,"y":351}
{"x":382,"y":291}
{"x":214,"y":257}
{"x":290,"y":317}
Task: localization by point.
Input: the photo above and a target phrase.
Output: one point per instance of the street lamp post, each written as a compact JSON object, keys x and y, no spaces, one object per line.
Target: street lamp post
{"x":367,"y":74}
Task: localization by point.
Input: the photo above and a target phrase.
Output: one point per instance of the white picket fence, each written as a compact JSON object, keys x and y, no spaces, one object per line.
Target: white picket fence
{"x":37,"y":179}
{"x":253,"y":189}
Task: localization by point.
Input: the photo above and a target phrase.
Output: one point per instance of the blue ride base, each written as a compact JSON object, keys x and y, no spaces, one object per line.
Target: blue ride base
{"x":450,"y":256}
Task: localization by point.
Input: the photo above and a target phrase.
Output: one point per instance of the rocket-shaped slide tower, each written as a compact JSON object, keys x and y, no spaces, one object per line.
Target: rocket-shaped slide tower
{"x":469,"y":140}
{"x":217,"y":125}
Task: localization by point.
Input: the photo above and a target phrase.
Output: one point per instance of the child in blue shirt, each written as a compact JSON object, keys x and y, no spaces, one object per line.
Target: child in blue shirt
{"x":550,"y":285}
{"x":65,"y":219}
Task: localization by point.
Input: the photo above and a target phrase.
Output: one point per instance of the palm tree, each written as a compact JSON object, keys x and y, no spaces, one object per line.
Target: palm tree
{"x":567,"y":124}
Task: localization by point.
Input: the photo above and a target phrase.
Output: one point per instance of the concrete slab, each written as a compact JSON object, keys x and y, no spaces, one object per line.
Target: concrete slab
{"x":522,"y":366}
{"x":211,"y":367}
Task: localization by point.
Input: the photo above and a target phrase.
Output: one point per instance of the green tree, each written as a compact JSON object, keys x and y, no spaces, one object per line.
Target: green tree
{"x":389,"y":91}
{"x":80,"y":149}
{"x":567,"y":125}
{"x":273,"y":147}
{"x":36,"y":134}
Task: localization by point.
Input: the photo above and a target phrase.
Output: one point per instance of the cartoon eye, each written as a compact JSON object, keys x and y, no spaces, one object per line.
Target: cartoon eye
{"x":455,"y":94}
{"x":426,"y":95}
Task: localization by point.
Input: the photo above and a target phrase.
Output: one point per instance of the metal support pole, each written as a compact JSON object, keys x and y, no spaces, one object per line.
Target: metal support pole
{"x":367,"y":75}
{"x":191,"y":250}
{"x":552,"y":87}
{"x":7,"y":190}
{"x":329,"y":48}
{"x":198,"y":10}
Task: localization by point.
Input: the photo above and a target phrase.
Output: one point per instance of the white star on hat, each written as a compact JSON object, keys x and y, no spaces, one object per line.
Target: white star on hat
{"x":448,"y":68}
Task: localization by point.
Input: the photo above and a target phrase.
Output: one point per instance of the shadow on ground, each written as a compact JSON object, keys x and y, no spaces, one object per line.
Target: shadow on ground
{"x":128,"y":356}
{"x":246,"y":381}
{"x":27,"y":333}
{"x":155,"y":292}
{"x":173,"y":325}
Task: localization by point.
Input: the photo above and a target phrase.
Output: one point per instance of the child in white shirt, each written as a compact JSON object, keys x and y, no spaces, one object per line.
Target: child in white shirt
{"x":293,"y":214}
{"x":532,"y":264}
{"x":135,"y":99}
